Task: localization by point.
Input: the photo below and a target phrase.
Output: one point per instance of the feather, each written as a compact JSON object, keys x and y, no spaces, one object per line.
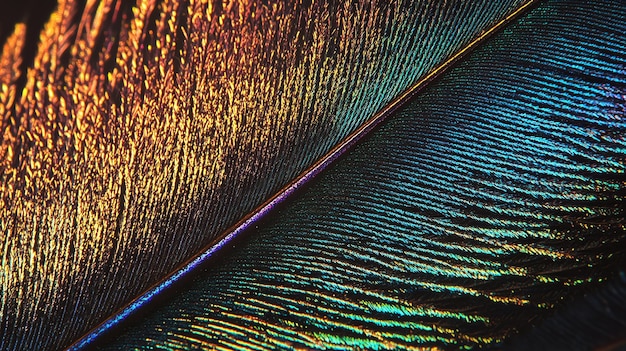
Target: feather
{"x":490,"y":205}
{"x":135,"y":133}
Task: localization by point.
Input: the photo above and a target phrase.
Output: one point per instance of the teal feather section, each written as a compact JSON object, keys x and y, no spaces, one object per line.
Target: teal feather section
{"x":470,"y":215}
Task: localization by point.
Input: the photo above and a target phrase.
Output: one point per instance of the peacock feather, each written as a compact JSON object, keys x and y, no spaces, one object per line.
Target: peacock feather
{"x":209,"y":175}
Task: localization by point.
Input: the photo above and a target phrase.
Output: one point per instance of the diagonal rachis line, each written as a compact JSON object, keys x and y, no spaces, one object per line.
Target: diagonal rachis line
{"x":192,"y":265}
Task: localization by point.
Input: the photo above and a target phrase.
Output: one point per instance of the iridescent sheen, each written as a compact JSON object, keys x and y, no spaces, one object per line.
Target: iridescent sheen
{"x":134,"y":133}
{"x":472,"y":213}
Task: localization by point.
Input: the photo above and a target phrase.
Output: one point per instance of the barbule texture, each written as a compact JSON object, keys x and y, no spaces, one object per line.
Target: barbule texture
{"x":134,"y":133}
{"x":473,"y":213}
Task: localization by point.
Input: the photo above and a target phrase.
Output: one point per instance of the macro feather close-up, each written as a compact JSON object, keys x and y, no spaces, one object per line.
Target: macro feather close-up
{"x":193,"y":174}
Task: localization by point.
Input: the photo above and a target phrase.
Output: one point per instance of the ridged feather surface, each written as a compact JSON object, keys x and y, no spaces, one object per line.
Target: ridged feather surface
{"x":471,"y":214}
{"x":133,"y":133}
